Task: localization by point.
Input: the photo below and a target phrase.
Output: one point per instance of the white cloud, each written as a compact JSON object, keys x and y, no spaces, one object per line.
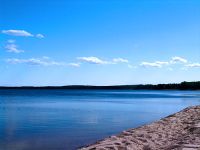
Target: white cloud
{"x":74,"y":64}
{"x":40,"y":36}
{"x":193,"y":65}
{"x":13,"y":48}
{"x":22,"y":33}
{"x":120,"y":60}
{"x":44,"y":61}
{"x":177,"y":59}
{"x":14,"y":60}
{"x":92,"y":60}
{"x":162,"y":62}
{"x":96,"y":60}
{"x":17,"y":33}
{"x":35,"y":61}
{"x":157,"y":64}
{"x":149,"y":64}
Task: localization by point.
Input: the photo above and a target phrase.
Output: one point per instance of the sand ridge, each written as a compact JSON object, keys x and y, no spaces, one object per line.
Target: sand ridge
{"x":180,"y":131}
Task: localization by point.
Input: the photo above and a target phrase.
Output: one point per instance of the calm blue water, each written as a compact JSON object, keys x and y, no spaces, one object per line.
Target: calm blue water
{"x":67,"y":119}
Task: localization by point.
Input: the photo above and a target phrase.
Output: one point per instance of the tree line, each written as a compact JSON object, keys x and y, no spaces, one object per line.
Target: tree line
{"x":173,"y":86}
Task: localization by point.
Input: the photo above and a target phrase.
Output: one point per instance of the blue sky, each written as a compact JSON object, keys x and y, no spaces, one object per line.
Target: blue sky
{"x":99,"y":42}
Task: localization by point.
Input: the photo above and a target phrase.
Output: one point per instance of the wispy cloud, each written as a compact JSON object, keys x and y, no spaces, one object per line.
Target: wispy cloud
{"x":177,"y":59}
{"x":193,"y":65}
{"x":157,"y":64}
{"x":92,"y":60}
{"x":17,"y":33}
{"x":149,"y":64}
{"x":12,"y":47}
{"x":44,"y":61}
{"x":32,"y":61}
{"x":120,"y":60}
{"x":160,"y":64}
{"x":40,"y":36}
{"x":22,"y":33}
{"x":35,"y":61}
{"x":96,"y":60}
{"x":74,"y":64}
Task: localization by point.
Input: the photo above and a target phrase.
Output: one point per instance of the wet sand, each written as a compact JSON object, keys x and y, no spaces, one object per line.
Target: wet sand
{"x":180,"y":131}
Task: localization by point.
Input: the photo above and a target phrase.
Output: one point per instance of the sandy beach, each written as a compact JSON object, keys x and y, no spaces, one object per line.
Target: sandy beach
{"x":180,"y":131}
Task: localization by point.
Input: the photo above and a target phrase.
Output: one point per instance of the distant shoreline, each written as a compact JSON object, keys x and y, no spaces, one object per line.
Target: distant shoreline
{"x":173,"y":86}
{"x":178,"y":131}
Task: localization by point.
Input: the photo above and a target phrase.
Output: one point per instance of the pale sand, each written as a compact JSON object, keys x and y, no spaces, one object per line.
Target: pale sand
{"x":180,"y":131}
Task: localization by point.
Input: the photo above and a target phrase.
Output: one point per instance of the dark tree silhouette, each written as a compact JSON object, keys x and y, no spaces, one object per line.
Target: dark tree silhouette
{"x":174,"y":86}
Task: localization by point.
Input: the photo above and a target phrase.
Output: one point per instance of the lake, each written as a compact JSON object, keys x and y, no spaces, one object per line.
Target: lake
{"x":68,"y":119}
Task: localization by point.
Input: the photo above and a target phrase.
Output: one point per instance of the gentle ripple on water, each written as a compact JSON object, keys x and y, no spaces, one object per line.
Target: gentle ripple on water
{"x":67,"y":119}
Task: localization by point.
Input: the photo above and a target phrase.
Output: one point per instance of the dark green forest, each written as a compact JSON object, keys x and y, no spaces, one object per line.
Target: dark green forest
{"x":173,"y":86}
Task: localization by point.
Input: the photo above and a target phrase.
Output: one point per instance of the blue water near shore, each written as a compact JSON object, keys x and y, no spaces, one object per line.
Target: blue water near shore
{"x":68,"y":119}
